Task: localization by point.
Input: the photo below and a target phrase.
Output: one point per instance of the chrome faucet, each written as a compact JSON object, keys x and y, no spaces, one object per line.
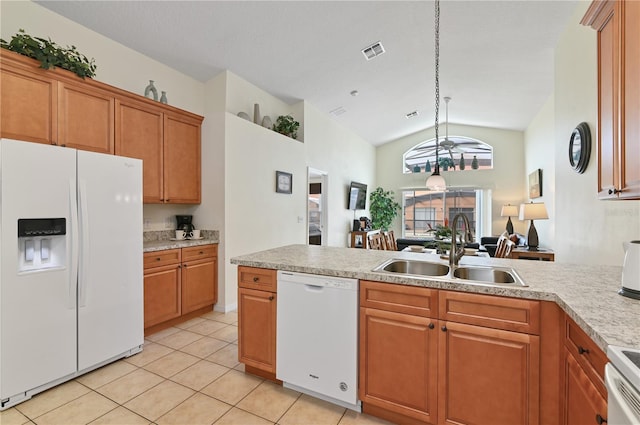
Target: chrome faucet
{"x":455,"y":254}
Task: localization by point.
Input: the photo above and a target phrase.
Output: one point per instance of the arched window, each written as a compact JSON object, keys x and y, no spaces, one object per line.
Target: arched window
{"x":454,"y":153}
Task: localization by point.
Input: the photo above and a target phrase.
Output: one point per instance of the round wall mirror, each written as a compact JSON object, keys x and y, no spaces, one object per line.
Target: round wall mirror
{"x":580,"y":147}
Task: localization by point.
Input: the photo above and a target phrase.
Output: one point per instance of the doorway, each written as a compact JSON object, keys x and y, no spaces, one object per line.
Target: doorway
{"x":317,"y":207}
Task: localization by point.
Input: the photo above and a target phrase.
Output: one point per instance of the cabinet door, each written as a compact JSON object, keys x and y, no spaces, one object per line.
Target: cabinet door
{"x":398,"y":363}
{"x":29,"y":105}
{"x":257,"y":329}
{"x":139,"y":134}
{"x":583,"y":402}
{"x":162,"y":294}
{"x":608,"y":149}
{"x":85,"y":118}
{"x":487,"y":376}
{"x":198,"y":284}
{"x":630,"y":184}
{"x":181,"y":160}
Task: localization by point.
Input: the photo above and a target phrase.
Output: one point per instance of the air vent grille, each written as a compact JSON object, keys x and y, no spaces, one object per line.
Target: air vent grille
{"x":373,"y":51}
{"x":412,"y":114}
{"x":338,"y":111}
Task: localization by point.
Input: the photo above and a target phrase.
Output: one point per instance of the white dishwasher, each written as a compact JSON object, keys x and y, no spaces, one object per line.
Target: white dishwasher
{"x":317,"y":336}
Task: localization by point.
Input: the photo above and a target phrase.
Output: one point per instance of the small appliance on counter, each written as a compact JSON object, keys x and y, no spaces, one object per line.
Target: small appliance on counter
{"x":184,"y":223}
{"x":622,"y":379}
{"x":631,"y":270}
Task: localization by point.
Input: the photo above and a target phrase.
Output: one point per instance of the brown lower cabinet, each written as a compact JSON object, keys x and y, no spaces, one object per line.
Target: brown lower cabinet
{"x":179,"y":284}
{"x":429,"y":356}
{"x":257,"y":304}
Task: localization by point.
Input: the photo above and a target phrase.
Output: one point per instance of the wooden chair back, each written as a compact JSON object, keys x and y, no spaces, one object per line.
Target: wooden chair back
{"x":504,"y":248}
{"x":376,"y":241}
{"x":390,"y":241}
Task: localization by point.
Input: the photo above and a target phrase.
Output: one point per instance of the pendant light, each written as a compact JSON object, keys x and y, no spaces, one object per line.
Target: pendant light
{"x":436,"y":182}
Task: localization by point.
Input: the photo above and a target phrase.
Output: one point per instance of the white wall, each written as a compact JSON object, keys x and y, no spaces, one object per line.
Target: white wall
{"x":540,"y":153}
{"x":587,"y":230}
{"x":345,"y":157}
{"x":505,"y":180}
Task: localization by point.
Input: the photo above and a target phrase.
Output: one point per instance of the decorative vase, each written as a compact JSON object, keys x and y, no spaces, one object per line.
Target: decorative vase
{"x":150,"y":91}
{"x":427,"y":167}
{"x":462,"y":163}
{"x":474,"y":163}
{"x":445,"y":166}
{"x":163,"y":98}
{"x":256,"y":113}
{"x":416,"y":168}
{"x":266,"y":122}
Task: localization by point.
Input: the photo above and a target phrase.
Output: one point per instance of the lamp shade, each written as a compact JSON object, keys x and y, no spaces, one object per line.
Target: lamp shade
{"x":509,"y":211}
{"x":436,"y":183}
{"x":533,"y":211}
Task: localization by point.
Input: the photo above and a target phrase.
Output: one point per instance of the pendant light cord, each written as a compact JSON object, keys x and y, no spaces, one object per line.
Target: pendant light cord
{"x":437,"y":62}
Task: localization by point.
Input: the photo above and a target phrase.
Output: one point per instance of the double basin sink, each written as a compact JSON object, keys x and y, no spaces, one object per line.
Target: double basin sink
{"x":482,"y":275}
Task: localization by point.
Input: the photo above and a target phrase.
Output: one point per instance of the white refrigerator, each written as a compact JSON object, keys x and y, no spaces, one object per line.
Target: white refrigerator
{"x":71,"y":273}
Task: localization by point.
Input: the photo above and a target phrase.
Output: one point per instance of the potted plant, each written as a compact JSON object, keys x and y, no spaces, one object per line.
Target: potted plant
{"x":383,"y":208}
{"x":50,"y":54}
{"x":285,"y":124}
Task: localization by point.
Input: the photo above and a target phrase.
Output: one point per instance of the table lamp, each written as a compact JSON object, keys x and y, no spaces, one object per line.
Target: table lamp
{"x":533,"y":211}
{"x":509,"y":211}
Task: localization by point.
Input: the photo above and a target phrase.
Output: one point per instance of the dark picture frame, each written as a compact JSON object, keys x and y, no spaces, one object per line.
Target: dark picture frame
{"x":284,"y":182}
{"x":580,"y":147}
{"x":535,"y":184}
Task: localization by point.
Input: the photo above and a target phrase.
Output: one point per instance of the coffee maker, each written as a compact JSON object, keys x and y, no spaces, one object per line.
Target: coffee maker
{"x":184,"y":223}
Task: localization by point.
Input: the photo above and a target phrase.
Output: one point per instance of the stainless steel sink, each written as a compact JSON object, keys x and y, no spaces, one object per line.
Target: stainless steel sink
{"x":413,"y":267}
{"x":473,"y":275}
{"x":491,"y":275}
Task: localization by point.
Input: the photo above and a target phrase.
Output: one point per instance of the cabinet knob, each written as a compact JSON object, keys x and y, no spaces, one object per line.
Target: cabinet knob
{"x":600,"y":420}
{"x":158,"y":259}
{"x":201,"y":252}
{"x":444,"y":329}
{"x":582,"y":350}
{"x":614,"y":191}
{"x":431,"y":326}
{"x":256,"y":278}
{"x":179,"y":266}
{"x":271,"y":298}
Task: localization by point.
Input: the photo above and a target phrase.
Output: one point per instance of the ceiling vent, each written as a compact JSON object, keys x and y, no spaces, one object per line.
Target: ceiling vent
{"x":412,"y":114}
{"x":372,"y":51}
{"x":338,"y":111}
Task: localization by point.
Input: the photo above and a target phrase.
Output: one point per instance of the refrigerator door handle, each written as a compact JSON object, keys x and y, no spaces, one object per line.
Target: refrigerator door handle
{"x":73,"y":275}
{"x":84,"y":244}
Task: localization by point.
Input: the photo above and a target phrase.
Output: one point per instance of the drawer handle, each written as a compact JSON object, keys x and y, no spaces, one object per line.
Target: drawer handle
{"x":271,"y":298}
{"x":431,"y":326}
{"x":201,"y":252}
{"x":444,"y":329}
{"x":582,"y":350}
{"x":256,"y":278}
{"x":600,"y":420}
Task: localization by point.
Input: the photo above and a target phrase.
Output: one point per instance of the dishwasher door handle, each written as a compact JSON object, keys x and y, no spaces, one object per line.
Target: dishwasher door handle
{"x":314,"y":288}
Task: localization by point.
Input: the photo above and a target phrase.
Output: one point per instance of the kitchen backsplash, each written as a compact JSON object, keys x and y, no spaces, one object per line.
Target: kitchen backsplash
{"x":165,"y":235}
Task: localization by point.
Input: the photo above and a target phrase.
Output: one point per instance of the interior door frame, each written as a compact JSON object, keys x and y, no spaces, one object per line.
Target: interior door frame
{"x":313,"y":175}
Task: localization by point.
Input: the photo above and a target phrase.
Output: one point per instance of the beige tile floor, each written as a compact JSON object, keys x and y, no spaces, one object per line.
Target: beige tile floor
{"x":188,"y":374}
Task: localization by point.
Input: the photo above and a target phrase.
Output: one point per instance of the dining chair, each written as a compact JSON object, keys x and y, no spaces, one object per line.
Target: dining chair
{"x":376,"y":241}
{"x":504,"y":248}
{"x":390,"y":241}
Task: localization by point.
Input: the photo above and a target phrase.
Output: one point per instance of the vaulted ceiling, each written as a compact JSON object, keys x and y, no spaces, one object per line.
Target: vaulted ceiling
{"x":496,"y":56}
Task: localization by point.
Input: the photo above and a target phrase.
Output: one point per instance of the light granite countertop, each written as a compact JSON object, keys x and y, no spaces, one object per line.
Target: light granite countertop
{"x":153,"y":246}
{"x":588,"y":293}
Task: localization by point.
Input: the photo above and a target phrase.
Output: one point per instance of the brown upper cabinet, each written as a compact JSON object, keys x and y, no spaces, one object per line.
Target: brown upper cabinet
{"x":56,"y":107}
{"x":618,"y":96}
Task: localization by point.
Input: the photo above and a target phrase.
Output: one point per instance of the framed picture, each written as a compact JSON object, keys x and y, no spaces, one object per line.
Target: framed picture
{"x":535,"y":184}
{"x":284,"y":182}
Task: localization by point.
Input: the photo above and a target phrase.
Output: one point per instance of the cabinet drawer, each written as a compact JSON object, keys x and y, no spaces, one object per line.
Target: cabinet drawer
{"x":586,"y":352}
{"x":257,"y":278}
{"x":199,"y":252}
{"x":510,"y":314}
{"x":413,"y":300}
{"x":161,"y":258}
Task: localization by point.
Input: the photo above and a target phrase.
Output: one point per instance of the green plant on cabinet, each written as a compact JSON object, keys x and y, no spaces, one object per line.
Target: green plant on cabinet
{"x":285,"y":124}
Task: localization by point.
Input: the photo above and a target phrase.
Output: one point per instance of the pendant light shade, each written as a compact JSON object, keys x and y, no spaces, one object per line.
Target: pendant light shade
{"x":436,"y":183}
